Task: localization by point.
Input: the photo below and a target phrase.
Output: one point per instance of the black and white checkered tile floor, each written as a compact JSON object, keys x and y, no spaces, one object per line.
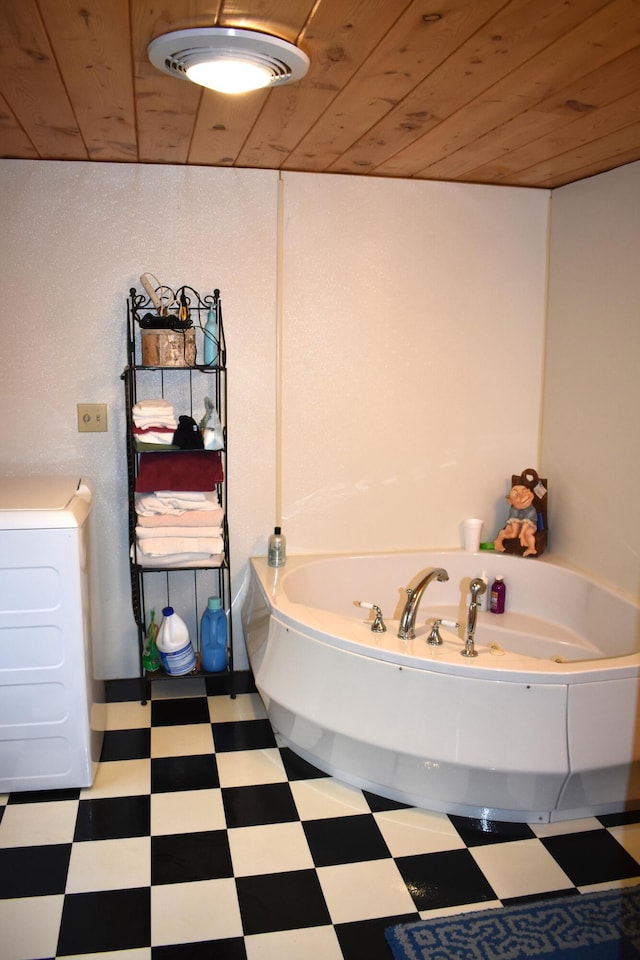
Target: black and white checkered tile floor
{"x":202,"y":839}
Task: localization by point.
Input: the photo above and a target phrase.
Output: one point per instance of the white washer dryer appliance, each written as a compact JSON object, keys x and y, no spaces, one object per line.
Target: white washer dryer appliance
{"x":52,"y":708}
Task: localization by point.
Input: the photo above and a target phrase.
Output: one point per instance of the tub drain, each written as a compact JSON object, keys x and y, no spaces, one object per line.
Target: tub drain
{"x":559,"y":659}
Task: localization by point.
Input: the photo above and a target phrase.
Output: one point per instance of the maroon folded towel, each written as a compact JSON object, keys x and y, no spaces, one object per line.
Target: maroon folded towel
{"x":196,"y":471}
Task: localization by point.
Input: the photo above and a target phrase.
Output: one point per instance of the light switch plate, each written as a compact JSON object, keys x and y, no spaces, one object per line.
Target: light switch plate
{"x":92,"y":417}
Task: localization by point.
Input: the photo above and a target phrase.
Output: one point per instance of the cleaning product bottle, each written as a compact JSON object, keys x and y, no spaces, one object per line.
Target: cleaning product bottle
{"x":498,"y":595}
{"x":277,"y":549}
{"x":213,"y":637}
{"x":176,"y":653}
{"x":150,"y":655}
{"x":211,"y":336}
{"x":483,"y":598}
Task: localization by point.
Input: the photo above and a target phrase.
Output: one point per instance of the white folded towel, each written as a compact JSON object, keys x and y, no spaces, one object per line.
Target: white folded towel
{"x":154,"y":413}
{"x":175,"y":503}
{"x":143,"y":423}
{"x":186,"y":532}
{"x":178,"y":560}
{"x":188,"y":496}
{"x":188,"y":518}
{"x":186,"y":560}
{"x":161,"y":546}
{"x":147,"y":408}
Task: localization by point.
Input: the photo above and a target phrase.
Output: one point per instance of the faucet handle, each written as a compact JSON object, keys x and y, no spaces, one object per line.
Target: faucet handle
{"x":434,"y":637}
{"x":378,"y":625}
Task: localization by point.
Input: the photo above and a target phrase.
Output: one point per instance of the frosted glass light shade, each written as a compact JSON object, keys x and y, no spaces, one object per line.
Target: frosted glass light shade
{"x":229,"y":76}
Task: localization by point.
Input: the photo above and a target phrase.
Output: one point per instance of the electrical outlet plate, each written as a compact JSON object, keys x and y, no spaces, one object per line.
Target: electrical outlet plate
{"x":92,"y":417}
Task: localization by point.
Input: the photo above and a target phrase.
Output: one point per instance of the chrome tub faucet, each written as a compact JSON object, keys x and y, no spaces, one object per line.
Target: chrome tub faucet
{"x":407,"y":630}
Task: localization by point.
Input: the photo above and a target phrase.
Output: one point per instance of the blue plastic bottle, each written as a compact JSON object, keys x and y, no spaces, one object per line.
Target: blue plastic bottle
{"x":213,"y":637}
{"x":211,"y":337}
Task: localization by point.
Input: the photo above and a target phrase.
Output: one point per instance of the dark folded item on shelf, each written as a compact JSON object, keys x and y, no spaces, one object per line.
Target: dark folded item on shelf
{"x":198,"y":470}
{"x":188,"y":436}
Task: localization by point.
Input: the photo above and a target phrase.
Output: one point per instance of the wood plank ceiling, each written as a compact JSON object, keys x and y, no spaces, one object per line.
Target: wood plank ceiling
{"x":516,"y":92}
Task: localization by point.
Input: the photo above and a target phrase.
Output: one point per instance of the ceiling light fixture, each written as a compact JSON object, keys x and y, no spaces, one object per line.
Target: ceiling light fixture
{"x":227,"y":59}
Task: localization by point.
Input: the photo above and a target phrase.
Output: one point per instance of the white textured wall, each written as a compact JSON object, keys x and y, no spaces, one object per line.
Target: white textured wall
{"x":75,"y":238}
{"x":413,"y":347}
{"x":412,"y":324}
{"x":591,"y":441}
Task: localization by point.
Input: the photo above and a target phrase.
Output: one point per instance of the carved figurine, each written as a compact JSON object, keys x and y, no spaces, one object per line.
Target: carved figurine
{"x":522,"y":521}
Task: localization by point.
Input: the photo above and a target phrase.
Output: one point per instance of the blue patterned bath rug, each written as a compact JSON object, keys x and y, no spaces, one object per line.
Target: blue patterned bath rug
{"x":591,"y":926}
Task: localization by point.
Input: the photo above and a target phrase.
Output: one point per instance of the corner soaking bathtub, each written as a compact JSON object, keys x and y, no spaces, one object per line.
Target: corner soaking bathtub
{"x":543,"y":725}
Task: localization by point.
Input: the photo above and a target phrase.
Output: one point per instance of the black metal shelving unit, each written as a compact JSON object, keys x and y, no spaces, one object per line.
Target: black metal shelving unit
{"x":185,"y":385}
